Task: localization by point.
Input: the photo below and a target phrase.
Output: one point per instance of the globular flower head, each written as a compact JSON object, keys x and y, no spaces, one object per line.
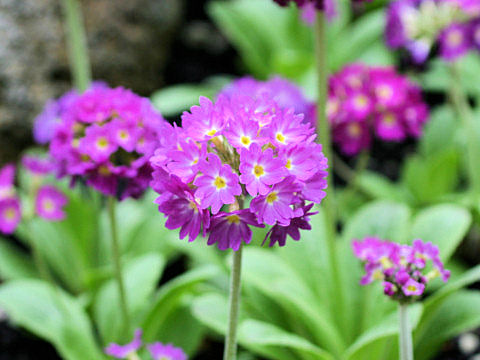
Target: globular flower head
{"x":455,"y":41}
{"x":10,"y":214}
{"x":243,"y":144}
{"x":106,"y":137}
{"x":49,"y":203}
{"x":450,"y":25}
{"x":403,"y":269}
{"x":282,"y":92}
{"x":366,"y":102}
{"x":160,"y":351}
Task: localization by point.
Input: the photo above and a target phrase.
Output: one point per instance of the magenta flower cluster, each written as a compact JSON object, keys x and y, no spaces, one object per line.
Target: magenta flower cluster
{"x":157,"y":350}
{"x":454,"y":26}
{"x":48,"y":200}
{"x":403,"y":269}
{"x":366,"y":102}
{"x":105,"y":137}
{"x":239,"y":146}
{"x":283,"y":92}
{"x":319,"y":4}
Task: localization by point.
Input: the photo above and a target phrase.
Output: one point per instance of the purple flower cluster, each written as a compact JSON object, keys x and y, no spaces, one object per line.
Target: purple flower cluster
{"x":157,"y":350}
{"x":366,"y":101}
{"x":401,"y":268}
{"x":48,"y":200}
{"x":104,"y":136}
{"x":284,"y":93}
{"x":318,"y":4}
{"x":453,"y":24}
{"x":239,"y":145}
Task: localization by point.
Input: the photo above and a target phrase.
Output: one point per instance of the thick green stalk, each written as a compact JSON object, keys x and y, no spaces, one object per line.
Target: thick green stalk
{"x":117,"y":264}
{"x":230,"y":352}
{"x":462,"y":107}
{"x":77,"y":44}
{"x":323,"y":130}
{"x":405,"y":333}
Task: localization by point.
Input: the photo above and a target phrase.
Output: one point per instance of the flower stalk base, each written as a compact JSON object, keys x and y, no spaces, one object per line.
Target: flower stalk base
{"x":405,"y":334}
{"x":230,"y":352}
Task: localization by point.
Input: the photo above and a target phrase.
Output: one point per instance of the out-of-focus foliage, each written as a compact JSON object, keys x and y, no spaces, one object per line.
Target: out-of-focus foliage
{"x":311,"y":316}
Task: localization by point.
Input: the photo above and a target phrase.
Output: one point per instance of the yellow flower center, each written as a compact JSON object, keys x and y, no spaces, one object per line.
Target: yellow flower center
{"x":272,"y":197}
{"x":389,"y":119}
{"x":122,"y":134}
{"x":245,"y":140}
{"x":289,"y":164}
{"x":212,"y":132}
{"x":9,"y":214}
{"x":354,"y":130}
{"x":195,"y":161}
{"x":193,"y":206}
{"x":386,"y":263}
{"x":384,"y":91}
{"x":411,"y":288}
{"x":48,"y":205}
{"x":220,"y":182}
{"x":103,"y":170}
{"x":258,"y":170}
{"x":377,"y":275}
{"x":354,"y":81}
{"x":361,"y":101}
{"x":233,"y":219}
{"x":75,"y":143}
{"x":454,"y":38}
{"x":280,"y":137}
{"x":102,"y":143}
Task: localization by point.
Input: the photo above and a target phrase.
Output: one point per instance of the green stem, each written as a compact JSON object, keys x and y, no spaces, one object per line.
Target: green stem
{"x":77,"y":44}
{"x":117,"y":264}
{"x":462,"y":107}
{"x":323,"y":130}
{"x":405,"y":333}
{"x":230,"y":352}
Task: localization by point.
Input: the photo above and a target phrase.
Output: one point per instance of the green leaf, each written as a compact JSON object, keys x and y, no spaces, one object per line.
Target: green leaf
{"x":141,"y":277}
{"x":175,"y":99}
{"x":274,"y":278}
{"x":52,"y":315}
{"x":169,"y":298}
{"x":14,"y":264}
{"x":212,"y":310}
{"x":379,"y":187}
{"x":265,"y":338}
{"x":386,"y":329}
{"x":432,"y":177}
{"x":457,"y":313}
{"x":385,"y":219}
{"x":444,"y":225}
{"x":439,"y":131}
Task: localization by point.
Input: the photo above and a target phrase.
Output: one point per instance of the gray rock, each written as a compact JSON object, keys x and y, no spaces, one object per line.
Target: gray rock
{"x":128,"y":43}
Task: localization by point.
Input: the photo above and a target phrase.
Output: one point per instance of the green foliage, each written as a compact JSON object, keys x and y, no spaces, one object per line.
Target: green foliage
{"x":306,"y":318}
{"x":77,"y":253}
{"x":53,"y":315}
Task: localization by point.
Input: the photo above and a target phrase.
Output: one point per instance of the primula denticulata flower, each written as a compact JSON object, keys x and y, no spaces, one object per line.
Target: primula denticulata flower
{"x":404,"y":270}
{"x":243,"y":144}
